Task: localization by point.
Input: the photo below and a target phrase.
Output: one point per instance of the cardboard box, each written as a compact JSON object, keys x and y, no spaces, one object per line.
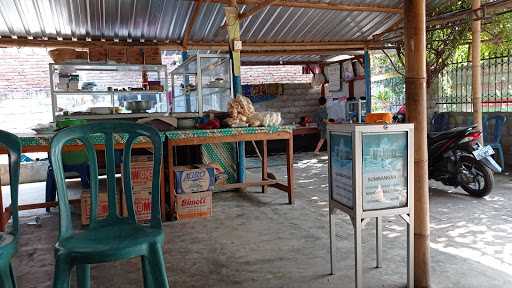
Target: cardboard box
{"x":117,"y":54}
{"x":194,"y":205}
{"x":102,"y":199}
{"x":141,"y":176}
{"x":135,"y":55}
{"x":85,"y":202}
{"x":194,"y":178}
{"x":152,"y":56}
{"x":102,"y":208}
{"x":141,"y":173}
{"x":221,"y":178}
{"x":141,"y":206}
{"x":98,"y":55}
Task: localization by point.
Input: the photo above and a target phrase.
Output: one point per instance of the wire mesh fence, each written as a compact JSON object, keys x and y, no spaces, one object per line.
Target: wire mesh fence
{"x":454,"y":85}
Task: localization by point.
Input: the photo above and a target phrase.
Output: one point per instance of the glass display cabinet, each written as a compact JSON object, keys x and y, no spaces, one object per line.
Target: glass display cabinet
{"x":202,"y":83}
{"x":104,"y":91}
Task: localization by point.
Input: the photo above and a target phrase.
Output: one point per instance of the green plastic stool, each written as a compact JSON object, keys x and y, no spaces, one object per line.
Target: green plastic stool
{"x":113,"y":238}
{"x":9,"y":238}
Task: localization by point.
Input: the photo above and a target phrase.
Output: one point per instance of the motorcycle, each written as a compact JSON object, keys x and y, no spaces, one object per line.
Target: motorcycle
{"x":456,"y":158}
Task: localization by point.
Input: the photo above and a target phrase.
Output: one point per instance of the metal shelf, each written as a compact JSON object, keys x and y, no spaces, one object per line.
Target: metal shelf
{"x":161,"y":70}
{"x":105,"y":92}
{"x":113,"y":116}
{"x":109,"y":67}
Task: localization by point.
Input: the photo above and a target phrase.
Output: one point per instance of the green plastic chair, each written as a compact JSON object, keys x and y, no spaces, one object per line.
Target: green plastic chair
{"x":113,"y":238}
{"x":9,"y":238}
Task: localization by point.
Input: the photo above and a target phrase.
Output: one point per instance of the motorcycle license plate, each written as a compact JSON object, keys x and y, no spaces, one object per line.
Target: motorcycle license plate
{"x":483,"y":152}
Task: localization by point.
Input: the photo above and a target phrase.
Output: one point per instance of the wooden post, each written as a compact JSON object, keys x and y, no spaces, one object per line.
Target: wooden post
{"x":233,"y":25}
{"x":476,"y":81}
{"x":416,"y":99}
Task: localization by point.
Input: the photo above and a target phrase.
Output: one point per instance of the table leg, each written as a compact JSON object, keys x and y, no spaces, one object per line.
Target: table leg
{"x":289,"y":170}
{"x":358,"y":252}
{"x":410,"y":250}
{"x":170,"y":161}
{"x":2,"y":227}
{"x":264,"y":165}
{"x":241,"y":162}
{"x":162,"y":191}
{"x":332,"y":237}
{"x":378,"y":232}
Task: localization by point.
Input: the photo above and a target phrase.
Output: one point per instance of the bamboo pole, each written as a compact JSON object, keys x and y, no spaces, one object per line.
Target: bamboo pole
{"x":476,"y":81}
{"x":233,"y":26}
{"x":416,"y":99}
{"x":318,"y":5}
{"x":277,"y":47}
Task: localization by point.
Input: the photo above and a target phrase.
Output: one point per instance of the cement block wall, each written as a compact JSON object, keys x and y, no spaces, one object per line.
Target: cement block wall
{"x":297,"y":100}
{"x":458,"y":119}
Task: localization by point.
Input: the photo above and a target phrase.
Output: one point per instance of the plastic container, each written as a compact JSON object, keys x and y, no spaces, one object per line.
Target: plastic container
{"x":384,"y":117}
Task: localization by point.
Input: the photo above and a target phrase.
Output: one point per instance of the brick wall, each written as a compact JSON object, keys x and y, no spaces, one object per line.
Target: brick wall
{"x":273,"y":74}
{"x":298,"y":100}
{"x":24,"y":86}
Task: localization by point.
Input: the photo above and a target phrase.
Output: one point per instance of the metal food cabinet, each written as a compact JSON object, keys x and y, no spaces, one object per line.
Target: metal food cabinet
{"x":371,"y":176}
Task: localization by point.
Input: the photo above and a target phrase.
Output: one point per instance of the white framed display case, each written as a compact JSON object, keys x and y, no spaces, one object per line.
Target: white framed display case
{"x":102,"y":91}
{"x":201,"y":83}
{"x":371,"y":176}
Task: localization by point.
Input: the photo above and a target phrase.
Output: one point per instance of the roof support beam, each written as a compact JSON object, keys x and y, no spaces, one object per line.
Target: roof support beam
{"x":255,"y":9}
{"x":286,"y":47}
{"x":319,"y":5}
{"x":190,"y":24}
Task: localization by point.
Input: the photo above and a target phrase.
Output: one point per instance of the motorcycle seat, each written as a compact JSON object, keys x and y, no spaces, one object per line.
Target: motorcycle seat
{"x":439,"y":136}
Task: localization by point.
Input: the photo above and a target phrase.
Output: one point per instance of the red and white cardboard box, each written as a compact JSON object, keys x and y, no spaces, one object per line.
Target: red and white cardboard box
{"x":141,"y":206}
{"x":102,"y":208}
{"x":194,"y":205}
{"x":141,"y":176}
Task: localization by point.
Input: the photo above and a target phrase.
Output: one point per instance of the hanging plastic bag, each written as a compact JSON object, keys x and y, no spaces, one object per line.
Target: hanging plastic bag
{"x":348,"y":71}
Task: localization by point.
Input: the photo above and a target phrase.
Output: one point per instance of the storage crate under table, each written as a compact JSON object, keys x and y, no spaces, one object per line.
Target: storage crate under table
{"x":239,"y":136}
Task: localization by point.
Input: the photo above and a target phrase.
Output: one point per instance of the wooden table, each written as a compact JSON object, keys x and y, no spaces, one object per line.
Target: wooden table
{"x":237,"y":135}
{"x":302,"y":131}
{"x":33,"y":143}
{"x":41,"y":143}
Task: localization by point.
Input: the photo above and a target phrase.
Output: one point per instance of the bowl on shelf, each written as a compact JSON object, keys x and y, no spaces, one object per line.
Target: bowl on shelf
{"x":186,"y":123}
{"x":101,"y":110}
{"x":138,"y":106}
{"x":69,"y":122}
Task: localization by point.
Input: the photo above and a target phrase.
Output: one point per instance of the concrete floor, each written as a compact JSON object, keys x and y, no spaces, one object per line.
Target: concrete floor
{"x":257,"y":240}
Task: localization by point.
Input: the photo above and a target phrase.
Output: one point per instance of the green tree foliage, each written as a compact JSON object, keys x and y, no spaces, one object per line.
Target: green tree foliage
{"x":497,"y":35}
{"x":448,"y":43}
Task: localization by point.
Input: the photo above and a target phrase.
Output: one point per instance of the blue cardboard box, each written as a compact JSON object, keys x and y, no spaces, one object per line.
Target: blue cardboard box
{"x":194,"y":178}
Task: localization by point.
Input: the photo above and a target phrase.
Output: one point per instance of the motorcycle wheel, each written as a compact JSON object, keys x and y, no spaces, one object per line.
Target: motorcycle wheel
{"x":476,"y":179}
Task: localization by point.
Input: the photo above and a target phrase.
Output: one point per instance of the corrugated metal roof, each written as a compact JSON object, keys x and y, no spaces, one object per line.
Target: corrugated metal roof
{"x":166,"y":20}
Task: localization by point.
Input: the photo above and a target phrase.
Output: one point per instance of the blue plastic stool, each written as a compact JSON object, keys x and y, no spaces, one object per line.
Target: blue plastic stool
{"x":439,"y":122}
{"x":495,"y":140}
{"x":51,"y":185}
